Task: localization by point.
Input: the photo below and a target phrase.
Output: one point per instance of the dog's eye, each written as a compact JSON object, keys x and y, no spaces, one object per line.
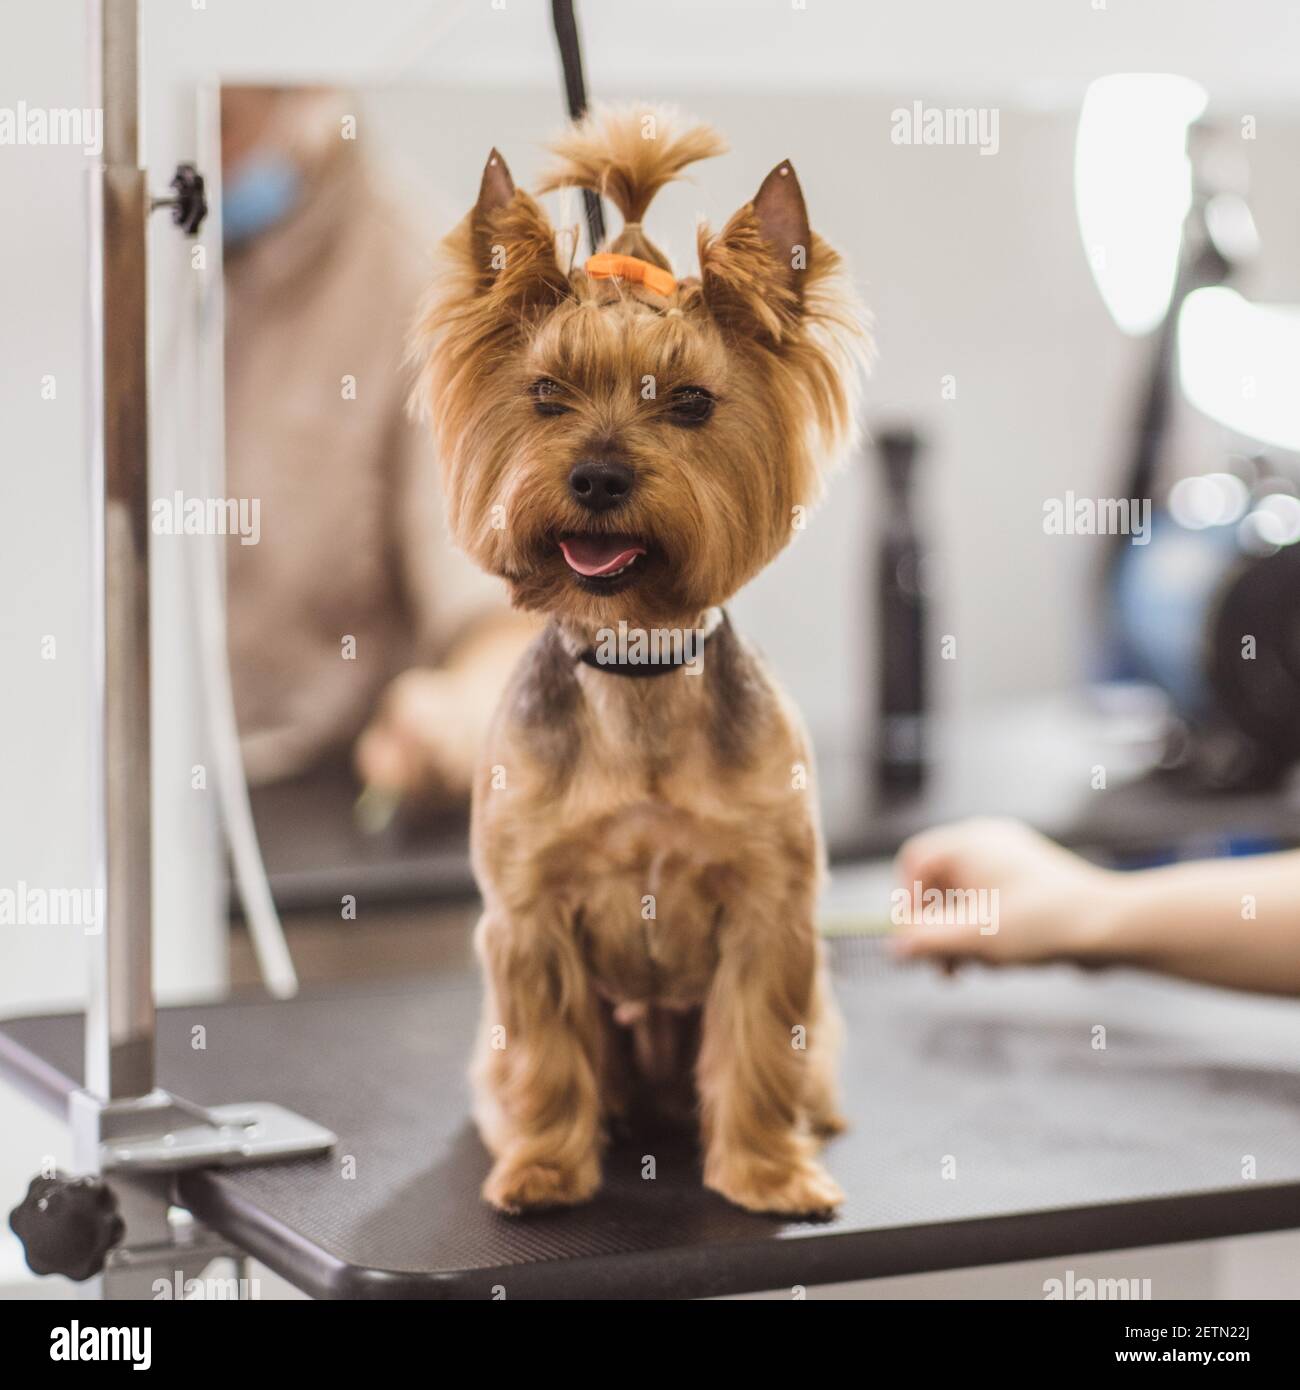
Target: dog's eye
{"x":545,"y":393}
{"x":690,"y":405}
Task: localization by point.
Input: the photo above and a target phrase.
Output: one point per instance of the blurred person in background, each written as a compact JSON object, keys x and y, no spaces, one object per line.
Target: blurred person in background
{"x":322,"y":278}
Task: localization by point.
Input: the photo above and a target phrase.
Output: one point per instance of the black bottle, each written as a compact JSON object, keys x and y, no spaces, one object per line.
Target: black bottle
{"x":901,"y":736}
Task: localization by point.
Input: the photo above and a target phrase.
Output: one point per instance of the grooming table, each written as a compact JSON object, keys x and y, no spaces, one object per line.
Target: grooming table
{"x":987,"y":1127}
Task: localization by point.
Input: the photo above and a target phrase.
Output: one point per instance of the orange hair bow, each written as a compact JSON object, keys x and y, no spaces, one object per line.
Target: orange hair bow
{"x":607,"y":265}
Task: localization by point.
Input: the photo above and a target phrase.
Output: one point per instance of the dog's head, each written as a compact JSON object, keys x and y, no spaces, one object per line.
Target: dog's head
{"x":617,"y":443}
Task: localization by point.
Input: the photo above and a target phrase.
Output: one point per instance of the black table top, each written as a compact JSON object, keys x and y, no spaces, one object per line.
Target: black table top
{"x":988,"y":1125}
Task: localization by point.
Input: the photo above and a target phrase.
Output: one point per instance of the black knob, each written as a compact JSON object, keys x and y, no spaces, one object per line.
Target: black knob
{"x":67,"y":1225}
{"x":191,"y":204}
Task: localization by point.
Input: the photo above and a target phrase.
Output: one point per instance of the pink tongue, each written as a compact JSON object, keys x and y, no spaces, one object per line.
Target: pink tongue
{"x":597,"y":555}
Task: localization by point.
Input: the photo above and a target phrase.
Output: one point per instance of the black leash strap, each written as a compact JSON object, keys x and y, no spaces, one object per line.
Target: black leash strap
{"x":575,"y":92}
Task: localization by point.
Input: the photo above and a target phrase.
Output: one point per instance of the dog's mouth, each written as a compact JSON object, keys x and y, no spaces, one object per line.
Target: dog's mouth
{"x":603,"y":564}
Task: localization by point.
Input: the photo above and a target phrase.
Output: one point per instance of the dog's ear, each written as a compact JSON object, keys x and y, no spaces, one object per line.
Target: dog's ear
{"x":753,"y":272}
{"x":512,"y":244}
{"x":783,"y":223}
{"x":497,"y":272}
{"x":495,"y":191}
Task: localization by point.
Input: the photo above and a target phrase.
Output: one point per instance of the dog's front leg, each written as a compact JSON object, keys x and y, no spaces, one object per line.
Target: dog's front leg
{"x":537,"y":1093}
{"x":755,"y":1067}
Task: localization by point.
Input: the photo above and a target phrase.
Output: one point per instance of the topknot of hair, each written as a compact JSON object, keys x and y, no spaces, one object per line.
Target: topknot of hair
{"x":627,"y":154}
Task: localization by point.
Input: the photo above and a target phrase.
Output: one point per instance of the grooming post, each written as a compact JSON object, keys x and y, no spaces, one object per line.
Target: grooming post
{"x":120,"y":1013}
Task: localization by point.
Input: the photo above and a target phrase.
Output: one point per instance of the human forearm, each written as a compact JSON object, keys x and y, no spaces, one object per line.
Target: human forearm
{"x":1233,"y":922}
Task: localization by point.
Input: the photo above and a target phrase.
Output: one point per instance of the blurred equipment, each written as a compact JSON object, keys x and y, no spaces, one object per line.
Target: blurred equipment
{"x":901,"y":743}
{"x":1133,"y":189}
{"x":1209,"y":609}
{"x":1239,"y":363}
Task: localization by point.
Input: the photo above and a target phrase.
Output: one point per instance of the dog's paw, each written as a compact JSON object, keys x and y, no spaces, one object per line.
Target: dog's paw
{"x":803,"y":1190}
{"x":514,"y":1187}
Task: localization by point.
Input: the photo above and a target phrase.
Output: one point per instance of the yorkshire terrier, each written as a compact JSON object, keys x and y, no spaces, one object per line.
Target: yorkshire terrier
{"x":626,"y":449}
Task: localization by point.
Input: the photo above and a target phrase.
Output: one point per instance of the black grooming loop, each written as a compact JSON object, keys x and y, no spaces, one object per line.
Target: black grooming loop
{"x":575,"y":91}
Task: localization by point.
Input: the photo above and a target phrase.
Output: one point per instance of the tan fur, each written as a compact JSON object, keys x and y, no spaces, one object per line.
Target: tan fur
{"x":608,"y":151}
{"x":599,"y":795}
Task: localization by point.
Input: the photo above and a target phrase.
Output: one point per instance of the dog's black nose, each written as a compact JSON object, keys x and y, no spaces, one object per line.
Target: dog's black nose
{"x":600,"y":485}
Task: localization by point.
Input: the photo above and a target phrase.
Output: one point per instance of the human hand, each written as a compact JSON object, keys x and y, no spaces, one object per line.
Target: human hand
{"x":1010,"y":896}
{"x":423,"y":740}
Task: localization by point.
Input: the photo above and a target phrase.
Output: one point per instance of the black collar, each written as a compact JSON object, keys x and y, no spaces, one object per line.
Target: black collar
{"x":643,"y":670}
